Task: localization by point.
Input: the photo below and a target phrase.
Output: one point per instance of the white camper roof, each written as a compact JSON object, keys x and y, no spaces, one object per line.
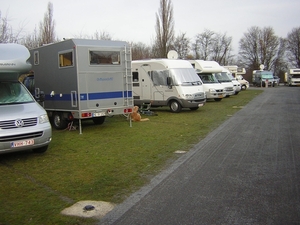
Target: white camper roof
{"x":13,"y":58}
{"x":232,"y":68}
{"x":168,"y":63}
{"x":207,"y":66}
{"x":295,"y":71}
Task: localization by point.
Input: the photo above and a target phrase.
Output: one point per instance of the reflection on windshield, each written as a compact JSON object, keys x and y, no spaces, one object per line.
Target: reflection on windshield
{"x":230,"y":76}
{"x":267,"y":76}
{"x":208,"y":78}
{"x":222,"y":77}
{"x":13,"y":93}
{"x":185,"y":77}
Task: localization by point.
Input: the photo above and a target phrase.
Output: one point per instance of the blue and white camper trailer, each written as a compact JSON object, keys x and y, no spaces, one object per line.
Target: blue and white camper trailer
{"x":83,"y":79}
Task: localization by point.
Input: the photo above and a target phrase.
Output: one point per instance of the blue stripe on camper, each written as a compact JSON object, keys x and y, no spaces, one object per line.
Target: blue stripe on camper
{"x":91,"y":96}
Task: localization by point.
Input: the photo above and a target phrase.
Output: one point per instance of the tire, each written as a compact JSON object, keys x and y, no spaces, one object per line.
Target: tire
{"x":244,"y":87}
{"x":175,"y":106}
{"x":58,"y":121}
{"x":218,"y":99}
{"x":99,"y":120}
{"x":40,"y":150}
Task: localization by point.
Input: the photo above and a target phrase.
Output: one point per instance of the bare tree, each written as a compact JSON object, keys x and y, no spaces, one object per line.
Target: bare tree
{"x":47,"y":33}
{"x":210,"y":45}
{"x":221,"y":49}
{"x":140,"y":51}
{"x":31,"y":41}
{"x":164,"y":29}
{"x":102,"y":35}
{"x":280,"y":65}
{"x":6,"y":33}
{"x":182,"y":45}
{"x":293,"y":47}
{"x":259,"y":46}
{"x":202,"y":46}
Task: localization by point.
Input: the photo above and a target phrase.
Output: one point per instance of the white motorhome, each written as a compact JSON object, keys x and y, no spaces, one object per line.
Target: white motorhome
{"x":238,"y":73}
{"x":212,"y":87}
{"x":83,"y":79}
{"x":24,"y":124}
{"x":236,"y":85}
{"x":293,"y":77}
{"x":216,"y":70}
{"x":167,"y":82}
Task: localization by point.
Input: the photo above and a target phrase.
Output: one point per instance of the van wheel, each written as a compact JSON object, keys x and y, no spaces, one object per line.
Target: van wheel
{"x":99,"y":120}
{"x":175,"y":106}
{"x":58,"y":121}
{"x":218,"y":99}
{"x":244,"y":87}
{"x":40,"y":150}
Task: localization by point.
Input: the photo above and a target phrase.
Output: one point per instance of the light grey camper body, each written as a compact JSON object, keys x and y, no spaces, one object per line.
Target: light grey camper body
{"x":167,"y":82}
{"x":24,"y":124}
{"x":83,"y":79}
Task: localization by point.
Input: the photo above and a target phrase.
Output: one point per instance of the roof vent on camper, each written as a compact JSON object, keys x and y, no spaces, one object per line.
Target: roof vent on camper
{"x":172,"y":54}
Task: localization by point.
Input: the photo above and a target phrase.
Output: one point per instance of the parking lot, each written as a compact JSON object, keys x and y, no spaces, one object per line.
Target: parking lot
{"x":244,"y":172}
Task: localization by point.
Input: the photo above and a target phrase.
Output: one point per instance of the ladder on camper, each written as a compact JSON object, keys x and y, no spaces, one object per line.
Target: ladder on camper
{"x":128,"y":100}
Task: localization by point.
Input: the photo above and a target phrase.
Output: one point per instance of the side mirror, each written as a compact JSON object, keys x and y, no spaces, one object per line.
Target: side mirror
{"x":42,"y":96}
{"x":169,"y":82}
{"x":39,"y":95}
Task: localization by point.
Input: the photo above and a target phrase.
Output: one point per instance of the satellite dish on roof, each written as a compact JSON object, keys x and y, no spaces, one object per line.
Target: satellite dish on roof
{"x":172,"y":54}
{"x":261,"y":67}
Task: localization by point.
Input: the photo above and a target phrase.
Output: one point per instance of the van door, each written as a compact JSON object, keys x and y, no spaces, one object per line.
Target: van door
{"x":146,"y":82}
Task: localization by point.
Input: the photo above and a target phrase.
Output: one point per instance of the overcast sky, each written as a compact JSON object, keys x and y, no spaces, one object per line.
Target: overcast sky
{"x":134,"y":20}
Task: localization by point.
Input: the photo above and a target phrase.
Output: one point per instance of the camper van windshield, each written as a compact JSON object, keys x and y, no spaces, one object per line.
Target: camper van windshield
{"x":267,"y":75}
{"x":13,"y":93}
{"x":222,"y":77}
{"x":185,"y":77}
{"x":208,"y":78}
{"x":230,"y":76}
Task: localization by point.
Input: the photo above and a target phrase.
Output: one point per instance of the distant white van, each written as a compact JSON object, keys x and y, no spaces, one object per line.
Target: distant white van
{"x":236,"y":85}
{"x":24,"y":123}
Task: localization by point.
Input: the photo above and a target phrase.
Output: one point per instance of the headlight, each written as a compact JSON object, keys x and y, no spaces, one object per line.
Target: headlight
{"x":43,"y":118}
{"x":188,"y":96}
{"x":212,"y":90}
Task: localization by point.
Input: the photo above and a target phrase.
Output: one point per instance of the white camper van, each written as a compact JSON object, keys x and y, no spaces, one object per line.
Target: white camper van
{"x":237,"y":73}
{"x":216,"y":70}
{"x":236,"y":85}
{"x":167,"y":82}
{"x":293,"y":78}
{"x":24,"y":124}
{"x":212,"y":87}
{"x":83,"y":79}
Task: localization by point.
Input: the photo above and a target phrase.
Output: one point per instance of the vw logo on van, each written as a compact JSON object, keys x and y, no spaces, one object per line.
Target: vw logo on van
{"x":19,"y":123}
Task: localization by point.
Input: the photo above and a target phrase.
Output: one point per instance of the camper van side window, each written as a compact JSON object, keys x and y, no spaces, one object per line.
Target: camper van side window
{"x":159,"y":77}
{"x":135,"y":76}
{"x":66,"y":59}
{"x":104,"y":58}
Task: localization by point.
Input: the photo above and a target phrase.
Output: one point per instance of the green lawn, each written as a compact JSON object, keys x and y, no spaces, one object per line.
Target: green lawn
{"x":106,"y":162}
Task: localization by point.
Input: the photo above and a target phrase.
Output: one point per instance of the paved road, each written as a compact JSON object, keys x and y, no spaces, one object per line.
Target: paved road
{"x":247,"y":171}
